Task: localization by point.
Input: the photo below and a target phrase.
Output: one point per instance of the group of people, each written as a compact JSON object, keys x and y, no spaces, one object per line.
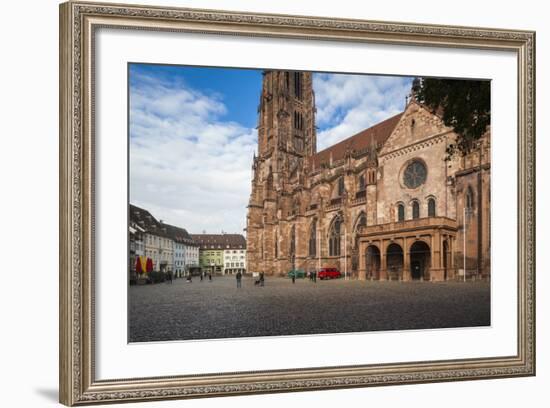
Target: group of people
{"x":260,"y":281}
{"x":203,"y":276}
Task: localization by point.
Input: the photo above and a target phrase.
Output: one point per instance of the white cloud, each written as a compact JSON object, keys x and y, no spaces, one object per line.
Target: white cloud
{"x":192,"y":168}
{"x":347,"y":104}
{"x":187,"y":166}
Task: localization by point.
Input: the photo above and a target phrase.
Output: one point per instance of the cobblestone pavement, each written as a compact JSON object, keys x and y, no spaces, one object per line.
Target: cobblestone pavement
{"x":217,"y":309}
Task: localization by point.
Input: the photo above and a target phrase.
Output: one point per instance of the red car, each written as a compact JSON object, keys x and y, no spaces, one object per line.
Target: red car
{"x":329,"y":273}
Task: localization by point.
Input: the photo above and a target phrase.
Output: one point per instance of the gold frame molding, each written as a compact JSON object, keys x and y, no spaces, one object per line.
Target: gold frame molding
{"x":78,"y":22}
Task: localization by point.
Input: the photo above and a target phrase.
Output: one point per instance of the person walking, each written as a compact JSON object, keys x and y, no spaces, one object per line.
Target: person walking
{"x":201,"y":276}
{"x":293,"y":277}
{"x":239,"y":277}
{"x":261,"y":279}
{"x":210,"y":277}
{"x":314,"y":276}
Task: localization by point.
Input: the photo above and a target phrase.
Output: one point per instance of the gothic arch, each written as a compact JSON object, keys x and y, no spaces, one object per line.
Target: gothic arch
{"x":335,"y":236}
{"x":339,"y":188}
{"x":360,"y":221}
{"x":361,"y":181}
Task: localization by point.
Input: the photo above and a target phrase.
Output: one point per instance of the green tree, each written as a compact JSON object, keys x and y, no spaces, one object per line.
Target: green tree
{"x":464,"y":105}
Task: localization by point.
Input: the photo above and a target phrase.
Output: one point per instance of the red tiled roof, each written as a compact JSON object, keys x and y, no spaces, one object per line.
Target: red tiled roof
{"x":377,"y":134}
{"x":220,"y":241}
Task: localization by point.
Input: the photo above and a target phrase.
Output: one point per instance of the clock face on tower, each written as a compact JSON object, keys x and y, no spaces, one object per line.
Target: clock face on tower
{"x":415,"y":174}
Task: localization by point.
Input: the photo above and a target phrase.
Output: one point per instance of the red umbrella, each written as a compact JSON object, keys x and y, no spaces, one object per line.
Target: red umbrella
{"x":139,"y":271}
{"x":149,"y":265}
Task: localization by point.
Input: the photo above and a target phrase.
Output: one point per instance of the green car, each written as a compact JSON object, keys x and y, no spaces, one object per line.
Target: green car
{"x":298,"y":273}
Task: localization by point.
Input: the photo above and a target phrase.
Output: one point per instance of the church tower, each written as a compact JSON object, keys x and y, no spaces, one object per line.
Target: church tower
{"x":286,"y":140}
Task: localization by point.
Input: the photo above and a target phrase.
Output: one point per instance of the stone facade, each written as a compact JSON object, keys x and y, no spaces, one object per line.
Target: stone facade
{"x":382,"y":204}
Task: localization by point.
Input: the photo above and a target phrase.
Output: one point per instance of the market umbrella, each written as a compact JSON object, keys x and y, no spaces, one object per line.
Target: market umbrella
{"x":139,"y":271}
{"x":143,"y":261}
{"x":149,"y":265}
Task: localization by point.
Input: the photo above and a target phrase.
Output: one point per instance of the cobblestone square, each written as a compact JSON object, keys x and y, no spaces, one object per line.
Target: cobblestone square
{"x":218,"y":309}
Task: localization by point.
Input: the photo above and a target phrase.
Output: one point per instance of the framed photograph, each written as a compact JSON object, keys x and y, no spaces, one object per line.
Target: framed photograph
{"x":256,"y":203}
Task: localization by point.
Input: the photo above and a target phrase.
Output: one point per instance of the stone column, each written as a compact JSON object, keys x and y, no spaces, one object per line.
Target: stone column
{"x":436,"y":271}
{"x":383,"y":273}
{"x":362,"y":261}
{"x":406,"y":261}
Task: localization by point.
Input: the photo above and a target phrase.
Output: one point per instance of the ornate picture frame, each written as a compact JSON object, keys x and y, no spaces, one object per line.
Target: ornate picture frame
{"x":78,"y":24}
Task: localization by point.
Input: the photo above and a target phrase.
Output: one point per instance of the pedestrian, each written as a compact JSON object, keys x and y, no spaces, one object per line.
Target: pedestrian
{"x":315,"y":276}
{"x":293,"y":277}
{"x":261,"y":279}
{"x":239,"y":278}
{"x":201,"y":276}
{"x":170,"y":276}
{"x":210,"y":277}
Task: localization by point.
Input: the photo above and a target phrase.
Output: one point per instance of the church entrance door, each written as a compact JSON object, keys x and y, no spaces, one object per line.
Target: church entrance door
{"x":420,"y":260}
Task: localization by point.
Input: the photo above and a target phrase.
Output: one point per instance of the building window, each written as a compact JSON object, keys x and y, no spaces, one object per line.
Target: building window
{"x":431,"y":207}
{"x":361,"y":182}
{"x":341,"y":187}
{"x":415,"y":210}
{"x":298,"y":85}
{"x":313,"y":238}
{"x":334,"y":238}
{"x":298,"y":121}
{"x":415,"y":174}
{"x":469,"y":199}
{"x":400,"y":212}
{"x":362,"y":221}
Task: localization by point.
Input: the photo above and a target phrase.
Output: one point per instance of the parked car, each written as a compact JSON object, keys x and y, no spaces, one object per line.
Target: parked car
{"x":329,"y":273}
{"x":298,"y":273}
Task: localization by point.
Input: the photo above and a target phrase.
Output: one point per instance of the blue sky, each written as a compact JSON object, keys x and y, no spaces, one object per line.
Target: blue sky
{"x":192,"y":135}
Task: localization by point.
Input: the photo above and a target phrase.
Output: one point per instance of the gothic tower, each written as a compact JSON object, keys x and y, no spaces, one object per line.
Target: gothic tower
{"x":286,"y":140}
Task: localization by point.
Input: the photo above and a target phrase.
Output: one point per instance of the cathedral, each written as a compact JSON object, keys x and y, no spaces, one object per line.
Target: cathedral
{"x":383,"y":204}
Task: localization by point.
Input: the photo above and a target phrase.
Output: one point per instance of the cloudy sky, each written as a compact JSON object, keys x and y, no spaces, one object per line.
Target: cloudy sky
{"x":193,"y":136}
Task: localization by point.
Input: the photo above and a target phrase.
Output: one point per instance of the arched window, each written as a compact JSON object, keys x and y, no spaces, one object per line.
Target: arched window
{"x":400,"y":212}
{"x":415,"y":210}
{"x":361,"y":221}
{"x":334,"y":238}
{"x":313,"y":239}
{"x":341,"y":187}
{"x":431,"y":207}
{"x":361,"y":182}
{"x":469,"y":198}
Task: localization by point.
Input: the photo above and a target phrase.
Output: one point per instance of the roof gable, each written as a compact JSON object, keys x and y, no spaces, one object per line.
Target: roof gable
{"x":416,"y":123}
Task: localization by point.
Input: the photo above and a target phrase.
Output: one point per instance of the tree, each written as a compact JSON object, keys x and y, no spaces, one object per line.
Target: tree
{"x":464,"y":105}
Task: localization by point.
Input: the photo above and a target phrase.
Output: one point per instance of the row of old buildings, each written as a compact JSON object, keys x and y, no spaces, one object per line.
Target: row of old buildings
{"x":171,"y":249}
